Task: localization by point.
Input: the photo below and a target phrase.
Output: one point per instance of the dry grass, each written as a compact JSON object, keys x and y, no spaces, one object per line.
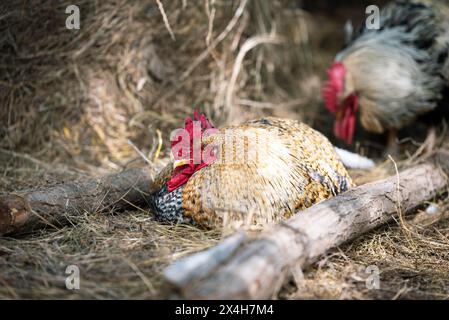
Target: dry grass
{"x":71,"y":100}
{"x":79,"y":95}
{"x":119,"y":256}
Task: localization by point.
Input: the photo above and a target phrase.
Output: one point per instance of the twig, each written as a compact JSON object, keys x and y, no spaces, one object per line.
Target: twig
{"x":159,"y":144}
{"x":140,"y":153}
{"x":238,"y":13}
{"x":211,"y":17}
{"x":270,"y":105}
{"x":144,"y":278}
{"x":164,"y":16}
{"x":48,"y":167}
{"x":398,"y":202}
{"x":246,"y":47}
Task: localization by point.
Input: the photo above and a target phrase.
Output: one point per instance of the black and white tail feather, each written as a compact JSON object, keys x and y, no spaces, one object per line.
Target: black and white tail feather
{"x":415,"y":18}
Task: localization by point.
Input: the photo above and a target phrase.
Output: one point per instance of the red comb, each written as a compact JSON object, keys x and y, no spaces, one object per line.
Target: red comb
{"x":334,"y":85}
{"x":188,"y":125}
{"x":182,"y":173}
{"x":205,"y":123}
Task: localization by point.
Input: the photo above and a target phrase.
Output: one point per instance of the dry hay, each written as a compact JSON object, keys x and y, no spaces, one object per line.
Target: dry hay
{"x":71,"y":100}
{"x":119,"y":256}
{"x":81,"y":94}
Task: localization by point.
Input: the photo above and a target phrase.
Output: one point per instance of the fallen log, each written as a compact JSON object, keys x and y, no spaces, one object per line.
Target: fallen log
{"x":32,"y":209}
{"x":248,"y":266}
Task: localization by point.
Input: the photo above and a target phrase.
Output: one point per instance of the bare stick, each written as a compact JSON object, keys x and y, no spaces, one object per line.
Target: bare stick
{"x":247,"y":266}
{"x":31,"y":209}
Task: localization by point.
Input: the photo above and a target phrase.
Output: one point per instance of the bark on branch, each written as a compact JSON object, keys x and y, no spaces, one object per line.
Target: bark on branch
{"x":33,"y":209}
{"x":246,"y":266}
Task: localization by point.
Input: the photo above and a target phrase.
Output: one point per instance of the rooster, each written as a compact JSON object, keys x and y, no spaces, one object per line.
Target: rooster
{"x":255,"y":173}
{"x":391,"y":75}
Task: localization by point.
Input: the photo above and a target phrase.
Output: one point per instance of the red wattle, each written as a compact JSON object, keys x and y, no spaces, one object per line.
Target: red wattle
{"x":344,"y":127}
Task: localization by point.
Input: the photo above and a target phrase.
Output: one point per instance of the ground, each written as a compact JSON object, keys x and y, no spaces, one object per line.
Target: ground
{"x":75,"y":104}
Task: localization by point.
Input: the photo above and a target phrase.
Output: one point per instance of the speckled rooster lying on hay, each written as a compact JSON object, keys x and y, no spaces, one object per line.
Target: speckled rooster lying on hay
{"x":255,"y":173}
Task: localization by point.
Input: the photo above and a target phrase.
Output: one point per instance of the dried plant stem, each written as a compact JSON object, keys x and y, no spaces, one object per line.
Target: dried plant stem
{"x":238,"y":13}
{"x":246,"y":47}
{"x":164,"y":16}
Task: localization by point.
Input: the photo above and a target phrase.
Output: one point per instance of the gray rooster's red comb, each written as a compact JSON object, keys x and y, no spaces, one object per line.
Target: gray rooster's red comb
{"x":334,"y":85}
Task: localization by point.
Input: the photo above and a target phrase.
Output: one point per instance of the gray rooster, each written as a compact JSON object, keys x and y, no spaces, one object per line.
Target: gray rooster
{"x":391,"y":75}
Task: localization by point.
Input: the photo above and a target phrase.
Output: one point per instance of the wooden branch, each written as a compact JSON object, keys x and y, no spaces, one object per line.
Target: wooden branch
{"x":246,"y":266}
{"x":33,"y":209}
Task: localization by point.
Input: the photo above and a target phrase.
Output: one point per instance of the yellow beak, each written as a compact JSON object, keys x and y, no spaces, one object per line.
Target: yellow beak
{"x":180,"y":162}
